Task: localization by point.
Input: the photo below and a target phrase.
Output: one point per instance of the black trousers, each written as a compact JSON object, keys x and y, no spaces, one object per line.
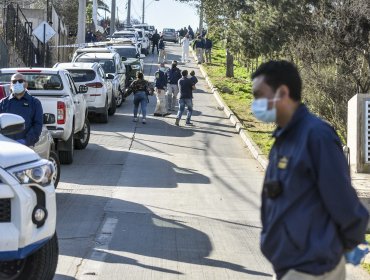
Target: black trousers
{"x":155,"y":44}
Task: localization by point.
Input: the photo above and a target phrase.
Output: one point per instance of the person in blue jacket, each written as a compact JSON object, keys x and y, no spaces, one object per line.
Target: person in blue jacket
{"x":21,"y":103}
{"x":160,"y":82}
{"x":312,"y":219}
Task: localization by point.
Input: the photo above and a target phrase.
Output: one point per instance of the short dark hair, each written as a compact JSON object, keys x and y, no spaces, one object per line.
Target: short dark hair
{"x":281,"y":72}
{"x":184,"y":73}
{"x":140,"y":75}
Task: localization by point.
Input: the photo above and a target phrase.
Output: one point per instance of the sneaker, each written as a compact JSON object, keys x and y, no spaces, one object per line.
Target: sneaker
{"x":143,"y":121}
{"x":134,"y":120}
{"x":157,"y":115}
{"x":177,"y":122}
{"x":189,"y":123}
{"x":166,"y":114}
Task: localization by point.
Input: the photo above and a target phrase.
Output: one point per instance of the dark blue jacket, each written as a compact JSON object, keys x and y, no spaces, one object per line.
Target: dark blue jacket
{"x":173,"y":76}
{"x":185,"y":88}
{"x":199,"y":43}
{"x":160,"y":79}
{"x":161,"y":45}
{"x":208,"y":44}
{"x":194,"y":80}
{"x":318,"y":214}
{"x":30,"y":109}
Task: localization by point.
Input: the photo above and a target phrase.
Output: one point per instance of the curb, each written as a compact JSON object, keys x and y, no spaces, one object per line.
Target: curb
{"x":252,"y":146}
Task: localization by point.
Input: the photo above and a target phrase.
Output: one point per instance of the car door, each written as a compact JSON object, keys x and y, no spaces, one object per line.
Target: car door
{"x":121,"y":70}
{"x":79,"y":102}
{"x":107,"y":83}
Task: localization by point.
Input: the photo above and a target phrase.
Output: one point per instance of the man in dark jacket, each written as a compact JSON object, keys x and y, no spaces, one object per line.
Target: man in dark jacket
{"x":198,"y":46}
{"x":311,"y":215}
{"x":173,"y":77}
{"x":162,"y":50}
{"x":160,"y":82}
{"x":208,"y":49}
{"x":186,"y":98}
{"x":155,"y":40}
{"x":21,"y":103}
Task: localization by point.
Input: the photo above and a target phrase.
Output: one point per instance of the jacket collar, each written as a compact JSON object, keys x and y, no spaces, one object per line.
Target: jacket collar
{"x":298,"y":115}
{"x":26,"y":96}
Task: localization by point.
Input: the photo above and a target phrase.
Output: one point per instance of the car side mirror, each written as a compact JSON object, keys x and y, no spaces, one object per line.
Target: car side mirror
{"x":109,"y":76}
{"x":142,"y":56}
{"x":123,"y":58}
{"x":11,"y":124}
{"x":82,"y":89}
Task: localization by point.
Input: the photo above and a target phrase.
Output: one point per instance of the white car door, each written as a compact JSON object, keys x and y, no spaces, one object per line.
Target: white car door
{"x":79,"y":105}
{"x":107,"y":83}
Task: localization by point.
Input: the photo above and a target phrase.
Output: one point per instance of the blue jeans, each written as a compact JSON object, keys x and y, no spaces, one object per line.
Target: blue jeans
{"x":140,"y":98}
{"x":189,"y":103}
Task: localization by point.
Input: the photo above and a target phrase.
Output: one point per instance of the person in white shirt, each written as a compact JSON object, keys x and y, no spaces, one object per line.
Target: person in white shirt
{"x":185,"y":48}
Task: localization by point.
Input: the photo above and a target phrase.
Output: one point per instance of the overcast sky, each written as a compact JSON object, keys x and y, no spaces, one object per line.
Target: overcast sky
{"x":162,"y":13}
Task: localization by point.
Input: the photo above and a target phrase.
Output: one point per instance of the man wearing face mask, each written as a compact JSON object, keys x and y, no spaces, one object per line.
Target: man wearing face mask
{"x":311,"y":216}
{"x":21,"y":103}
{"x":173,"y":77}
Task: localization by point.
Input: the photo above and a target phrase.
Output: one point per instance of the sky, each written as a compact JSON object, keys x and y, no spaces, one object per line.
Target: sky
{"x":161,"y":14}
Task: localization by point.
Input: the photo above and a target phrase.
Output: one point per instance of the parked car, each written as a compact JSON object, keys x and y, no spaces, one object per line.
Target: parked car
{"x":146,"y":27}
{"x":100,"y":98}
{"x":169,"y":34}
{"x":65,"y":109}
{"x":45,"y":147}
{"x":28,"y":243}
{"x":126,"y":34}
{"x":132,"y":59}
{"x":112,"y":65}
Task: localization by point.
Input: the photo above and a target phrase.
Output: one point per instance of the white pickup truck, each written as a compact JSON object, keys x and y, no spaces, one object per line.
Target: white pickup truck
{"x":28,"y":243}
{"x":65,"y":109}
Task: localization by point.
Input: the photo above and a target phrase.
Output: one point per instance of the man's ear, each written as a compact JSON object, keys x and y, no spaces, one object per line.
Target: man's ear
{"x":283,"y":91}
{"x":25,"y":84}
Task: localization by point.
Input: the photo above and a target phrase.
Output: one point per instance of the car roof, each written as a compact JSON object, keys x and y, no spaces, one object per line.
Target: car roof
{"x":124,"y":47}
{"x":77,"y":65}
{"x":125,"y":32}
{"x":99,"y":55}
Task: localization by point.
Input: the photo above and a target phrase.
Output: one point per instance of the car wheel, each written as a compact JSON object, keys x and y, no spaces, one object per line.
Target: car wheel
{"x":119,"y":99}
{"x":103,"y":118}
{"x":113,"y":107}
{"x":66,"y":157}
{"x":82,"y":142}
{"x":41,"y":265}
{"x":53,"y":157}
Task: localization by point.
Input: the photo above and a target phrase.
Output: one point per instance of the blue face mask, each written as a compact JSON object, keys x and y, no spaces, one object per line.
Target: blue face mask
{"x":18,"y":88}
{"x":261,"y":112}
{"x":162,"y":69}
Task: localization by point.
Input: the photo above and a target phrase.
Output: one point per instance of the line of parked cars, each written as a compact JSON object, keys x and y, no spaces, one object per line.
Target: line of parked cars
{"x":92,"y":84}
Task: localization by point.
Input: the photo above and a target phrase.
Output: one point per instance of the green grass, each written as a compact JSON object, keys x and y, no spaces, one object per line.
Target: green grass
{"x":366,"y":266}
{"x":237,"y":94}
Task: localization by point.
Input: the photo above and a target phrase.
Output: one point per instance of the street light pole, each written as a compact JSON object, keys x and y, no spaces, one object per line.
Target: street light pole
{"x":113,"y":18}
{"x":128,"y":21}
{"x":143,"y":17}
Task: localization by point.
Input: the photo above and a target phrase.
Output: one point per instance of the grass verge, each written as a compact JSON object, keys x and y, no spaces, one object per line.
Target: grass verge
{"x":237,"y":94}
{"x":366,"y":266}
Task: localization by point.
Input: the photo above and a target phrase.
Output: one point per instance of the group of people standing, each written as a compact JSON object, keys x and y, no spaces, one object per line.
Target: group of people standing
{"x":171,"y":87}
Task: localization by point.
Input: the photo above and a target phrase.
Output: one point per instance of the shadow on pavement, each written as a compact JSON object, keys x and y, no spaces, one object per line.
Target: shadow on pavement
{"x":141,"y":232}
{"x":107,"y":167}
{"x":63,"y":277}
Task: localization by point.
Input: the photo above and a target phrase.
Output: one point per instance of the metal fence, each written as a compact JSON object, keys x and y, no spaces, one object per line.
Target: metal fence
{"x":18,"y":33}
{"x":4,"y":54}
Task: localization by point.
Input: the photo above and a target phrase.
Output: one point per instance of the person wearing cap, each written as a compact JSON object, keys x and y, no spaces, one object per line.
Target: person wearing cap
{"x":160,"y":82}
{"x":173,"y":77}
{"x":21,"y":103}
{"x":162,"y":51}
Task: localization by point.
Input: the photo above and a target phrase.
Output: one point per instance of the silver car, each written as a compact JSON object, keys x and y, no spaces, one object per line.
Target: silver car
{"x":169,"y":34}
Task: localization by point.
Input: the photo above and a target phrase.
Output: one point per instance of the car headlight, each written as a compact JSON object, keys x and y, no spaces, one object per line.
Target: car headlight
{"x":135,"y":67}
{"x":40,"y":173}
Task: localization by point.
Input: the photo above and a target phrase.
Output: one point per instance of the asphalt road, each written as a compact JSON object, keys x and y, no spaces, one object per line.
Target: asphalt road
{"x":157,"y":201}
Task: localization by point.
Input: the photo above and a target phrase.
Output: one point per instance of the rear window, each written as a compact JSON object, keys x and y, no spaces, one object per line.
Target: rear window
{"x":107,"y":64}
{"x":168,"y":30}
{"x":82,"y":75}
{"x":129,"y":35}
{"x":37,"y":81}
{"x":127,"y":52}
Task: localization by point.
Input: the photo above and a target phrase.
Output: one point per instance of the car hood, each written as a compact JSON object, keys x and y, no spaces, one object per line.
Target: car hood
{"x":13,"y":153}
{"x":130,"y":61}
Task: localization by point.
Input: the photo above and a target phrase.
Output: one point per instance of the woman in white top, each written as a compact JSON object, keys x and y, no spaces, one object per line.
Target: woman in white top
{"x":185,"y":48}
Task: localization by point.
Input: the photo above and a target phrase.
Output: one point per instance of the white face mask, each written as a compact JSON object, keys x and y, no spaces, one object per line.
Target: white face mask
{"x":261,"y":112}
{"x":162,"y":69}
{"x":18,"y":88}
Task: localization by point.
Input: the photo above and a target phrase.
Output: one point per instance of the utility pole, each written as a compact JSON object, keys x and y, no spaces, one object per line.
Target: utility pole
{"x":81,"y":22}
{"x":201,"y":15}
{"x":128,"y":21}
{"x":95,"y":14}
{"x":113,"y":18}
{"x":143,"y":17}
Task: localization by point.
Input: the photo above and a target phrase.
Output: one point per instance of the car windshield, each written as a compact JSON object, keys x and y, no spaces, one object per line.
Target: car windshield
{"x":127,"y":52}
{"x":107,"y":64}
{"x":37,"y":81}
{"x":82,"y":75}
{"x":123,"y":35}
{"x":140,"y":33}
